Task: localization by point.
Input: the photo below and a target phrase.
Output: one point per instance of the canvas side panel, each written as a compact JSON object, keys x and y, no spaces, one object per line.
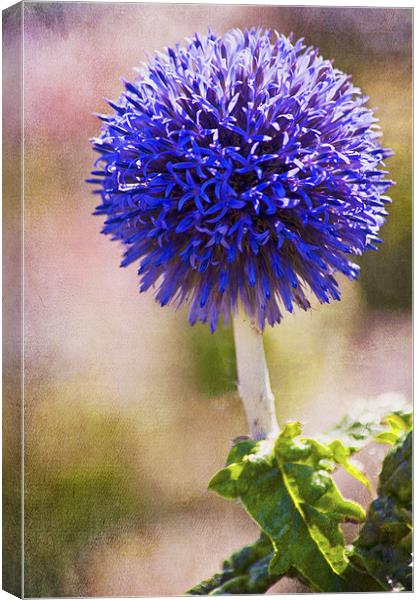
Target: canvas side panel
{"x":12,"y":299}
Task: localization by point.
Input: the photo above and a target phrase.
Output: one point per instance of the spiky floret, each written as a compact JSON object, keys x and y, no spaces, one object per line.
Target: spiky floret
{"x":241,"y":168}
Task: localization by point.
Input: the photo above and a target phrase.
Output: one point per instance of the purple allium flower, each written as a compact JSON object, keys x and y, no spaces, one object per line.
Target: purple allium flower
{"x":242,"y":167}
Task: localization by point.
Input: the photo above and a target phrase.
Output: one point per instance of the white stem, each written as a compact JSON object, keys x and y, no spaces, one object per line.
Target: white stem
{"x":253,"y":385}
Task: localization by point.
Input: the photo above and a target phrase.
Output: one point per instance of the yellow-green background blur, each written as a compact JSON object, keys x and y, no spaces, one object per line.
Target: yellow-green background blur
{"x":128,"y":410}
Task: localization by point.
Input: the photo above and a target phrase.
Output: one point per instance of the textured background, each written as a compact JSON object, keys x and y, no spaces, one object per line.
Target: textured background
{"x":129,"y":411}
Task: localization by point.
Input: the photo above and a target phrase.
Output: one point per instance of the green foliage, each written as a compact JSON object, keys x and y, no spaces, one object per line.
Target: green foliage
{"x":244,"y":572}
{"x":341,"y":455}
{"x":286,"y":487}
{"x":399,"y":425}
{"x":384,"y":545}
{"x":368,"y":420}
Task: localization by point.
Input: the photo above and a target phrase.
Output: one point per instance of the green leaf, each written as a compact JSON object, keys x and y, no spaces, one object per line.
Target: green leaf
{"x":396,"y":474}
{"x":384,"y":544}
{"x":287,"y":489}
{"x":387,"y":437}
{"x":316,"y":500}
{"x":341,"y":455}
{"x":399,"y":425}
{"x":400,"y":422}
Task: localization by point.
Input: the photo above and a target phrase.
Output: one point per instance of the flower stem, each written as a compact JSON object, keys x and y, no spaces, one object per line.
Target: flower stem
{"x":253,"y":385}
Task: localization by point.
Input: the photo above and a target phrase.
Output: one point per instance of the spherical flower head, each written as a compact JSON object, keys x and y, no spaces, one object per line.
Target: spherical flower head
{"x":241,"y":169}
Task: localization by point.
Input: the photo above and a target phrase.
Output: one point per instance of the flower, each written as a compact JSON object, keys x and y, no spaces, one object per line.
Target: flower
{"x":242,"y":168}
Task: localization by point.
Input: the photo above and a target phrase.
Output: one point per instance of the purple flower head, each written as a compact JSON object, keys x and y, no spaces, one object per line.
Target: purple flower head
{"x":242,"y":168}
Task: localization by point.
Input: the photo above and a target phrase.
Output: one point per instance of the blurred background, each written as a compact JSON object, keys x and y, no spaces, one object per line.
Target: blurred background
{"x":128,"y":410}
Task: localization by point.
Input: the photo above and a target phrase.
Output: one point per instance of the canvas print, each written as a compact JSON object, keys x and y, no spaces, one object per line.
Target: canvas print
{"x":207,"y":339}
